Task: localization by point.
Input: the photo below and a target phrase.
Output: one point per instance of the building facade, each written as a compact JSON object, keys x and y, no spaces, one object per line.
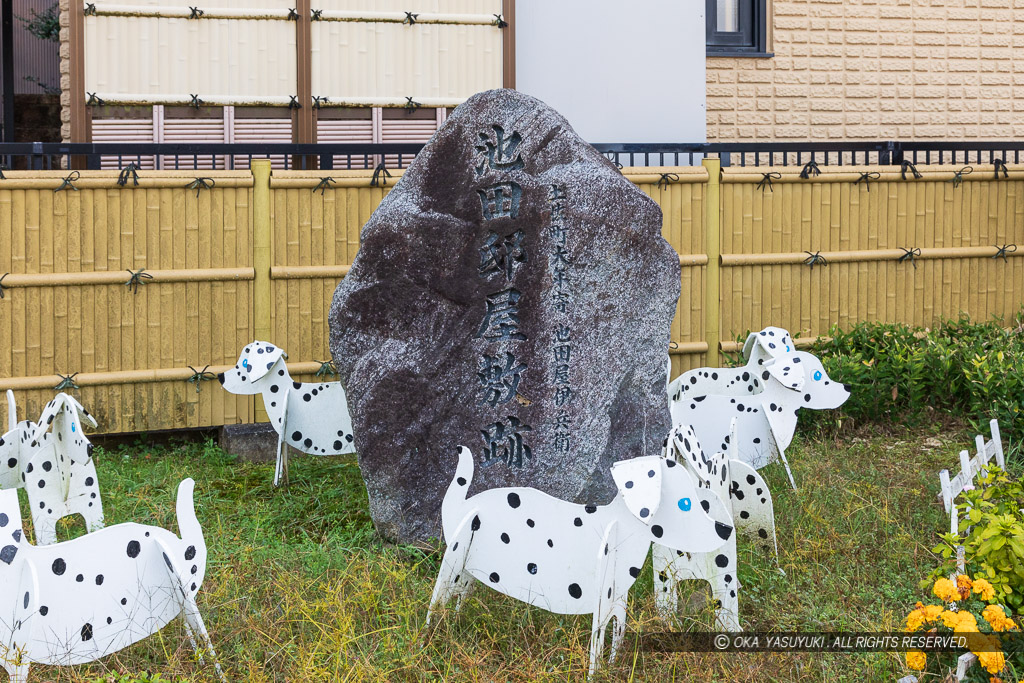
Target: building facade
{"x":868,"y":69}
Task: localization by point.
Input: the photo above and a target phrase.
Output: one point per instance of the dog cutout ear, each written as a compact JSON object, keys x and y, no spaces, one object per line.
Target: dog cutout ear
{"x":81,"y":412}
{"x":773,"y":342}
{"x":639,"y":481}
{"x":50,"y":413}
{"x":259,"y":364}
{"x":788,"y":373}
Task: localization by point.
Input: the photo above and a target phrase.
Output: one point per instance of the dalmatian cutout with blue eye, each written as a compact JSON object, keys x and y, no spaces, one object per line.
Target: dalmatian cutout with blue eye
{"x":759,"y":350}
{"x":52,"y":461}
{"x":311,"y":417}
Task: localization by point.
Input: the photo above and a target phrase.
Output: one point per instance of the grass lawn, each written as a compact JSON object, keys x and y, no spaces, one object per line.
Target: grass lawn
{"x":300,"y":588}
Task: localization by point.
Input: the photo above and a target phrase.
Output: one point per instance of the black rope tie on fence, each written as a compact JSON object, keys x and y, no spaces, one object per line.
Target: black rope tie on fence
{"x":317,"y":15}
{"x":958,"y":176}
{"x":196,"y":102}
{"x":411,"y":105}
{"x":1001,"y":252}
{"x":499,"y":21}
{"x":129,"y":172}
{"x":200,"y":376}
{"x":200,"y":184}
{"x":326,"y":368}
{"x":196,"y":13}
{"x":617,"y":164}
{"x":815,"y":259}
{"x":69,"y":182}
{"x":3,"y":167}
{"x":324,"y":183}
{"x":66,"y":382}
{"x":867,"y":178}
{"x":90,"y":9}
{"x":410,"y":18}
{"x":673,"y":345}
{"x":319,"y":101}
{"x":811,"y":167}
{"x":380,"y":176}
{"x":766,"y":181}
{"x":94,"y":100}
{"x":908,"y":166}
{"x":666,"y":179}
{"x":137,"y":278}
{"x":2,"y":284}
{"x":294,"y":102}
{"x":293,"y":15}
{"x":910,"y":255}
{"x":1000,"y":166}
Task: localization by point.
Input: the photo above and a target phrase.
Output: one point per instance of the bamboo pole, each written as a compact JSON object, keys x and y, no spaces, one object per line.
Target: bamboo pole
{"x":712,"y":226}
{"x":863,"y":256}
{"x":120,"y":277}
{"x":262,"y":301}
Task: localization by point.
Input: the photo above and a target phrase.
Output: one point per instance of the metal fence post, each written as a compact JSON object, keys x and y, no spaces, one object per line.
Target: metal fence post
{"x":712,"y":238}
{"x":261,"y":236}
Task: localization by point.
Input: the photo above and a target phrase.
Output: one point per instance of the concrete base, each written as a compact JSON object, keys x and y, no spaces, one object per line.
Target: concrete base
{"x":250,"y":442}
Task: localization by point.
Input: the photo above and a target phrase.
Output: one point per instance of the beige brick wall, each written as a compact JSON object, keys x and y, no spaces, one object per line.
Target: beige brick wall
{"x":65,"y":70}
{"x":883,"y":69}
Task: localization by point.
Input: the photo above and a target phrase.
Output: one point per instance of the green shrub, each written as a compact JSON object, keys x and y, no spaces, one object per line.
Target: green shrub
{"x":992,"y":534}
{"x":899,"y":373}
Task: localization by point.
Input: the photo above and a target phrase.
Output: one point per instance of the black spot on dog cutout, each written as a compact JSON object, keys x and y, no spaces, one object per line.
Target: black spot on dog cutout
{"x":751,"y":479}
{"x":575,"y":590}
{"x":505,"y":539}
{"x":722,"y":561}
{"x":531,"y":568}
{"x":44,"y":610}
{"x":513,"y":500}
{"x":706,"y":505}
{"x":79,"y":579}
{"x":87,"y":632}
{"x":762,"y":533}
{"x":724,"y":531}
{"x":338,"y":445}
{"x":59,"y":567}
{"x":657,"y":531}
{"x":475,"y":526}
{"x":134,"y":549}
{"x":124,"y":601}
{"x":461,"y":481}
{"x":4,"y":520}
{"x":99,"y":579}
{"x":634,"y":572}
{"x":551,"y":544}
{"x":494,"y":577}
{"x":577,"y":522}
{"x":744,"y":514}
{"x":728,"y":578}
{"x":296,"y":436}
{"x":530,"y":523}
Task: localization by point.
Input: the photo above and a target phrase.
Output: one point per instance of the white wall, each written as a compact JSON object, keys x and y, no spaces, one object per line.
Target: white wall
{"x":619,"y":70}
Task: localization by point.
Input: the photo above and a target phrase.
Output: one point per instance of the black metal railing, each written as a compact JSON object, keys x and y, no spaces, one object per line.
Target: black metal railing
{"x":332,"y":156}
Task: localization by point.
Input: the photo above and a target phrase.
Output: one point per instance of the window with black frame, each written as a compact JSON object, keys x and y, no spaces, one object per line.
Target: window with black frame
{"x":737,"y":28}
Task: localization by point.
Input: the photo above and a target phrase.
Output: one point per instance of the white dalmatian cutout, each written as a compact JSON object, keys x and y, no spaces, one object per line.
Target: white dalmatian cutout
{"x":767,"y":420}
{"x":742,"y":499}
{"x":760,"y":347}
{"x":563,"y":557}
{"x":310,"y":417}
{"x":52,"y":461}
{"x":80,"y":600}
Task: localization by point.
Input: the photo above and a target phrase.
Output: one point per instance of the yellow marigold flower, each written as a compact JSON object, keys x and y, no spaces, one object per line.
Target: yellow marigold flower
{"x":995,"y":679}
{"x":993,"y":613}
{"x":984,"y":589}
{"x":966,"y":622}
{"x":931,"y":612}
{"x":992,"y":662}
{"x":915,"y":620}
{"x":946,"y":590}
{"x":963,"y":581}
{"x":950,"y":618}
{"x":916,"y":660}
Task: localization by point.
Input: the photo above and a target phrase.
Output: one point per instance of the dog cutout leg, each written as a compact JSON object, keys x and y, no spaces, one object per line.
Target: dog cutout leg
{"x":17,"y":673}
{"x":453,"y":566}
{"x":281,"y":467}
{"x":725,"y":588}
{"x":605,"y":607}
{"x":789,"y":472}
{"x":666,"y":594}
{"x":195,"y":627}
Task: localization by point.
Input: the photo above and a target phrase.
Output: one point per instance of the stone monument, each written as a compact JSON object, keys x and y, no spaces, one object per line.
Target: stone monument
{"x":511,"y":294}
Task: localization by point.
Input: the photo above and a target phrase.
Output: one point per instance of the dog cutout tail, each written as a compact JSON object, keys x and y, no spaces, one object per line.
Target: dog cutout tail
{"x":12,"y":412}
{"x":188,"y":524}
{"x":455,"y":497}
